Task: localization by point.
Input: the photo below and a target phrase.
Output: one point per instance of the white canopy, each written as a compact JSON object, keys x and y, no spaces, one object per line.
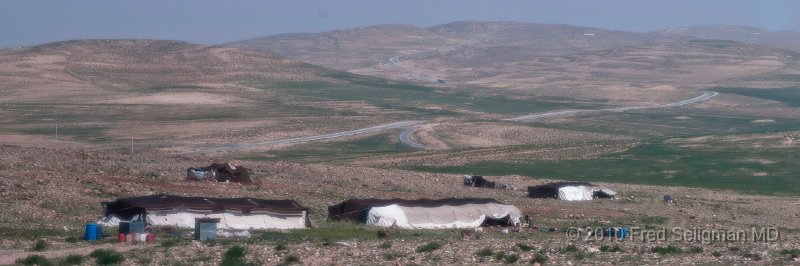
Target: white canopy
{"x":228,"y":220}
{"x":573,"y":193}
{"x":446,"y":216}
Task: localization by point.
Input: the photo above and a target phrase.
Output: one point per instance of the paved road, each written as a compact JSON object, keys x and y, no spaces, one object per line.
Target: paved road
{"x":527,"y":118}
{"x":398,"y":125}
{"x":405,"y":138}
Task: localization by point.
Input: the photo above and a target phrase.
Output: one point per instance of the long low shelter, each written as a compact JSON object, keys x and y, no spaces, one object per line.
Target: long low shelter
{"x":570,"y":191}
{"x":234,"y":213}
{"x":427,"y":213}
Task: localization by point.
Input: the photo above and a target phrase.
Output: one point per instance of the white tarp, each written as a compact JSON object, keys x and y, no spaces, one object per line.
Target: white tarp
{"x":227,"y":220}
{"x":573,"y":193}
{"x":608,"y":192}
{"x":460,"y":216}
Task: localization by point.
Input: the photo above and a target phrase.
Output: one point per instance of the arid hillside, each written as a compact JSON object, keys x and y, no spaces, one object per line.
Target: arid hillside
{"x":524,"y":55}
{"x":368,"y":46}
{"x":779,"y":39}
{"x":88,"y":68}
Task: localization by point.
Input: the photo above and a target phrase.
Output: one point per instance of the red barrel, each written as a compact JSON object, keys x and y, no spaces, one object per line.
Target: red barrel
{"x":121,"y":238}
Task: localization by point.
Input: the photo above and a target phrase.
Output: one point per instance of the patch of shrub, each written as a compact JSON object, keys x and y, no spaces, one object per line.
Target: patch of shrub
{"x":606,"y":248}
{"x":386,"y":245}
{"x":291,"y":259}
{"x":696,"y":249}
{"x":716,"y":254}
{"x":234,"y":256}
{"x":72,"y":239}
{"x":393,"y":255}
{"x":35,"y":260}
{"x":524,"y":247}
{"x":570,"y":248}
{"x":169,"y":243}
{"x":539,"y":258}
{"x":107,"y":256}
{"x":512,"y":258}
{"x":40,"y":245}
{"x":666,"y":250}
{"x":281,"y":246}
{"x":790,"y":252}
{"x":430,"y":247}
{"x":582,"y":255}
{"x":73,"y":260}
{"x":500,"y":255}
{"x":485,"y":252}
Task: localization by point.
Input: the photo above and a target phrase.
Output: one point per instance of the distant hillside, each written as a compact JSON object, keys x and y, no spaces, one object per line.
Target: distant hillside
{"x":369,"y":46}
{"x":92,"y":66}
{"x":778,"y":39}
{"x":508,"y":54}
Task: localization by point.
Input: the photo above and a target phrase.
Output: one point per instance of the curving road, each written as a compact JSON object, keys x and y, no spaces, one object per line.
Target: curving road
{"x":408,"y":130}
{"x":533,"y":117}
{"x":405,"y":137}
{"x":405,"y":125}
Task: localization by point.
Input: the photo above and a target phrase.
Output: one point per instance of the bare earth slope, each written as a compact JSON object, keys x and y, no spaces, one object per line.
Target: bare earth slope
{"x":779,"y":39}
{"x":524,"y":55}
{"x":80,"y":68}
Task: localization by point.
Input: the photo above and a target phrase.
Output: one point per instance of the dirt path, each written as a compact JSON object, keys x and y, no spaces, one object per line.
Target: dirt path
{"x":232,"y":147}
{"x":528,"y":118}
{"x":10,"y":259}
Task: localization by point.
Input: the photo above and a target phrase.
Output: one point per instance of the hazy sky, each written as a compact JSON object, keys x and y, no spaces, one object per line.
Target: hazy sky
{"x":29,"y":22}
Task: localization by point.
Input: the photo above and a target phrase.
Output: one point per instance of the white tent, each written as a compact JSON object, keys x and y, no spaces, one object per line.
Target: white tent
{"x":572,"y":193}
{"x":239,"y":213}
{"x":445,"y":216}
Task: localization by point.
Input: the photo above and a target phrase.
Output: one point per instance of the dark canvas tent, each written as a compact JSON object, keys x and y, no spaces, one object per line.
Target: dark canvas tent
{"x":477,"y":181}
{"x":219,"y":172}
{"x":569,"y":191}
{"x":426,"y":213}
{"x":235,"y":213}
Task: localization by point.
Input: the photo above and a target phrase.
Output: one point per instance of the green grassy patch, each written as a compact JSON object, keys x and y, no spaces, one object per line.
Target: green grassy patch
{"x":660,"y":124}
{"x":717,"y":165}
{"x":380,"y":144}
{"x":429,"y":247}
{"x":667,"y":250}
{"x":85,"y":134}
{"x":416,"y":98}
{"x":788,"y":96}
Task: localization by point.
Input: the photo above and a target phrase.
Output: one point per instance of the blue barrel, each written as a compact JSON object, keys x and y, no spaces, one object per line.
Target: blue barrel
{"x":92,"y":232}
{"x":623,"y":233}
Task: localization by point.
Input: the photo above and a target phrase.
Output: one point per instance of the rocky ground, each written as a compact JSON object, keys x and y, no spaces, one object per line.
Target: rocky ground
{"x":51,"y":192}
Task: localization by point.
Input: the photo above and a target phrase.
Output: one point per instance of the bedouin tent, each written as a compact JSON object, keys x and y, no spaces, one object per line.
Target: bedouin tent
{"x":570,"y":191}
{"x":477,"y":181}
{"x":221,"y":172}
{"x":234,"y":213}
{"x":427,"y":213}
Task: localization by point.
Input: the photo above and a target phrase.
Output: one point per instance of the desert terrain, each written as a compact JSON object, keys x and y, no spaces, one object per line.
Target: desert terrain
{"x":315,"y":116}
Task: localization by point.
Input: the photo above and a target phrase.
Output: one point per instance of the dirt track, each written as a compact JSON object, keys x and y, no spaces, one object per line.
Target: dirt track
{"x":705,"y":96}
{"x":396,"y":125}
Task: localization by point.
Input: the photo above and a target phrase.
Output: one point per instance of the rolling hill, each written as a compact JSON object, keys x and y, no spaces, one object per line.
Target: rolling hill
{"x":524,"y":55}
{"x":778,"y":39}
{"x":92,"y":68}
